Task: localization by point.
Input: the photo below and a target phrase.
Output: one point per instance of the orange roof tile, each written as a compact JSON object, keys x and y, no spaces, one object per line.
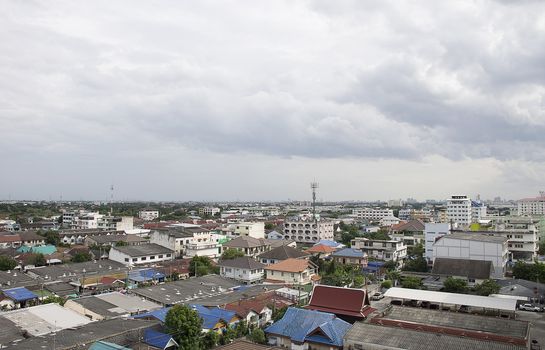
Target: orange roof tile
{"x":289,"y":265}
{"x":321,"y":248}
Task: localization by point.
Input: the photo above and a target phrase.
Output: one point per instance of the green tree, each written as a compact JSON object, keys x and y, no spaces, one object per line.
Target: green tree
{"x":210,"y":340}
{"x":202,"y":265}
{"x":541,"y":248}
{"x":258,"y":336}
{"x":487,"y":287}
{"x":185,"y":325}
{"x":386,"y":284}
{"x":231,"y":254}
{"x":53,"y":299}
{"x":359,"y":281}
{"x":389,"y":265}
{"x":121,"y":244}
{"x":418,"y":264}
{"x":241,"y":329}
{"x":279,"y":313}
{"x":416,"y":251}
{"x":37,"y":259}
{"x":269,"y":226}
{"x":228,"y":336}
{"x":411,"y":282}
{"x":455,"y":285}
{"x":530,"y":272}
{"x":81,"y":257}
{"x":51,"y":237}
{"x":7,"y":263}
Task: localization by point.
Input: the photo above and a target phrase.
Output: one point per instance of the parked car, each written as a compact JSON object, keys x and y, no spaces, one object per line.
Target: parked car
{"x":377,"y":296}
{"x":530,"y":307}
{"x":534,"y":345}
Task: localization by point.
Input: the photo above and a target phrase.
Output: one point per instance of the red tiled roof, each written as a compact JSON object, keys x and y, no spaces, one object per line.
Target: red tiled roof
{"x":9,"y":238}
{"x":341,"y":301}
{"x":321,"y":248}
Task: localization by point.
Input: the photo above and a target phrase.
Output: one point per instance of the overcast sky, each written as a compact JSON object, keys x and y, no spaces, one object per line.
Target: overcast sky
{"x":252,"y":100}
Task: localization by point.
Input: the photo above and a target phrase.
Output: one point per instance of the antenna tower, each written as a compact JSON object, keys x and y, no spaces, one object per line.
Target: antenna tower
{"x":111,"y":199}
{"x":314,"y":186}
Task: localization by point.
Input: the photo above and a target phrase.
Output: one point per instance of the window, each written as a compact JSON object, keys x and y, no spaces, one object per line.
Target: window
{"x":143,"y":258}
{"x":134,"y":259}
{"x":168,"y":255}
{"x":160,"y":256}
{"x":152,"y":257}
{"x":126,"y":259}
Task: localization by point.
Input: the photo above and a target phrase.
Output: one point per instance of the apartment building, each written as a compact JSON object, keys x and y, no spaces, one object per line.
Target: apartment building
{"x":522,"y":235}
{"x":249,"y":229}
{"x":307,"y":230}
{"x":387,"y":250}
{"x":148,"y":214}
{"x":374,"y":214}
{"x":532,"y":206}
{"x":459,"y":210}
{"x":478,"y":211}
{"x":115,"y":223}
{"x":474,"y":246}
{"x":410,"y":232}
{"x":187,"y":241}
{"x":209,"y":211}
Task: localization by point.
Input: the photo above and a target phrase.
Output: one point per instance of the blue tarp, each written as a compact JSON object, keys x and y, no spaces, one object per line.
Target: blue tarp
{"x":301,"y":325}
{"x":19,"y":294}
{"x":157,"y":339}
{"x":146,"y":275}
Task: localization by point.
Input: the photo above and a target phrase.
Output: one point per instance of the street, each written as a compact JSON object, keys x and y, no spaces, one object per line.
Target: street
{"x":537,"y":329}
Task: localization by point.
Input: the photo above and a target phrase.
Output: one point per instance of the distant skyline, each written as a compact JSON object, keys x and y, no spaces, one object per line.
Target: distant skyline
{"x":245,"y":100}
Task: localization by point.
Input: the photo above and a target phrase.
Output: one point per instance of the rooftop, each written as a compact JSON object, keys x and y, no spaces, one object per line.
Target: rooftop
{"x":321,"y":248}
{"x":290,"y":265}
{"x":340,"y":301}
{"x":117,"y":238}
{"x":350,"y":253}
{"x":470,"y":236}
{"x":475,"y":269}
{"x":246,"y":242}
{"x":282,"y":252}
{"x":452,"y":298}
{"x":365,"y":333}
{"x":143,"y":250}
{"x":244,"y":262}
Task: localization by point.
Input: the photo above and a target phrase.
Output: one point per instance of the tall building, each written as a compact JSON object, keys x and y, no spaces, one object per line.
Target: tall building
{"x":372,"y":214}
{"x":148,"y":214}
{"x":532,"y":206}
{"x":459,"y":210}
{"x":307,"y":230}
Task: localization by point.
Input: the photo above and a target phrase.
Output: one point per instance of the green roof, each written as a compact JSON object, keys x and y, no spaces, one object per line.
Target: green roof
{"x":104,"y":345}
{"x":39,"y":249}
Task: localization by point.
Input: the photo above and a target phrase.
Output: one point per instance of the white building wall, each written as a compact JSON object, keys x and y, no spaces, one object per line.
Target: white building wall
{"x":120,"y":257}
{"x":243,"y":275}
{"x":148,"y":215}
{"x":459,"y":210}
{"x":432,"y":231}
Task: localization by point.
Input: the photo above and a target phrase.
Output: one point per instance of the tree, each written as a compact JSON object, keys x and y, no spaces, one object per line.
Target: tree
{"x":530,"y":272}
{"x":411,"y":282}
{"x":36,"y":259}
{"x":53,"y":299}
{"x":359,"y":281}
{"x":269,"y":226}
{"x":121,"y":244}
{"x":386,"y":284}
{"x":279,"y":313}
{"x":541,"y":248}
{"x":81,"y":257}
{"x":231,"y":254}
{"x":418,"y":264}
{"x":390,"y":265}
{"x":202,"y":265}
{"x":51,"y":237}
{"x":241,"y":329}
{"x":210,"y":340}
{"x":455,"y":285}
{"x":416,"y":251}
{"x":185,"y":325}
{"x":258,"y":336}
{"x":228,"y":336}
{"x":487,"y":287}
{"x":7,"y":263}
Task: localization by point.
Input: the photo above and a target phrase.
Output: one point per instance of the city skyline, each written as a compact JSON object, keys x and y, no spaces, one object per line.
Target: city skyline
{"x":252,"y":101}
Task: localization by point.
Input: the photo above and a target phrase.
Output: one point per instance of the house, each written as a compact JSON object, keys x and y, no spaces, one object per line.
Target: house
{"x":294,"y":271}
{"x":308,"y":329}
{"x":275,"y":235}
{"x":19,"y":297}
{"x":474,"y":247}
{"x":350,"y":256}
{"x":254,"y":312}
{"x":321,"y":250}
{"x":410,"y":232}
{"x":330,"y":243}
{"x":30,"y":238}
{"x":140,"y":254}
{"x":473,"y":271}
{"x":281,"y":253}
{"x":350,"y":304}
{"x":146,"y":276}
{"x":111,"y":240}
{"x":187,"y":241}
{"x":243,"y":269}
{"x":249,"y":245}
{"x":8,"y":240}
{"x":387,"y":250}
{"x":159,"y":340}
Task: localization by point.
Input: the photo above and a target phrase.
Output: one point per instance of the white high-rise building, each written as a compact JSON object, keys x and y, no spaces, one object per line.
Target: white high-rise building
{"x":459,"y":210}
{"x":532,"y":206}
{"x":308,"y":230}
{"x":148,"y":214}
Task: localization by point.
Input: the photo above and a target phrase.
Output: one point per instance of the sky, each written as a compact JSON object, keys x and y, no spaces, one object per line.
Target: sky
{"x":252,"y":100}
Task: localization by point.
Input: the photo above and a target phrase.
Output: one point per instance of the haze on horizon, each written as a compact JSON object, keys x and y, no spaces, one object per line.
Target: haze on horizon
{"x":245,"y":100}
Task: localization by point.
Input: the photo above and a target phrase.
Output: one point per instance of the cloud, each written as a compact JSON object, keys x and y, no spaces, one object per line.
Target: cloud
{"x":354,"y":80}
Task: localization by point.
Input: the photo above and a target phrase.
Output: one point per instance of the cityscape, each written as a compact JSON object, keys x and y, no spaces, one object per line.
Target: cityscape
{"x":251,"y":175}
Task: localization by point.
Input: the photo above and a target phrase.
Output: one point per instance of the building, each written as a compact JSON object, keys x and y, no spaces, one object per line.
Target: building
{"x":294,"y":271}
{"x":280,"y":253}
{"x":9,"y":240}
{"x":140,"y":254}
{"x":459,"y":210}
{"x":115,"y":223}
{"x":110,"y":305}
{"x":349,"y":304}
{"x":350,"y":256}
{"x":474,"y":246}
{"x":389,"y":221}
{"x":148,"y":214}
{"x":209,"y":211}
{"x":243,"y":269}
{"x":307,"y":329}
{"x":523,"y":234}
{"x":303,"y":230}
{"x":187,"y":241}
{"x":381,"y":249}
{"x":110,"y":240}
{"x":372,"y":214}
{"x":421,"y":329}
{"x":321,"y":250}
{"x":249,"y":229}
{"x":478,"y":211}
{"x":86,"y":221}
{"x":532,"y":206}
{"x":30,"y":238}
{"x":410,"y":232}
{"x":432,"y":231}
{"x":248,"y":245}
{"x":275,"y":235}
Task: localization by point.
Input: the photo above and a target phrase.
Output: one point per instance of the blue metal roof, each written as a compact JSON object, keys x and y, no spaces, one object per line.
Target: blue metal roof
{"x":158,"y":339}
{"x":160,"y":314}
{"x":301,"y":325}
{"x":104,"y":345}
{"x":329,"y":243}
{"x":19,"y":294}
{"x":349,"y":252}
{"x":210,"y":316}
{"x":145,"y":275}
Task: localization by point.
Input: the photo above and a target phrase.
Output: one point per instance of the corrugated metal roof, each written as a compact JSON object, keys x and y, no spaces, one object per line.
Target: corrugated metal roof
{"x":19,"y":294}
{"x":158,"y":339}
{"x":452,"y":298}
